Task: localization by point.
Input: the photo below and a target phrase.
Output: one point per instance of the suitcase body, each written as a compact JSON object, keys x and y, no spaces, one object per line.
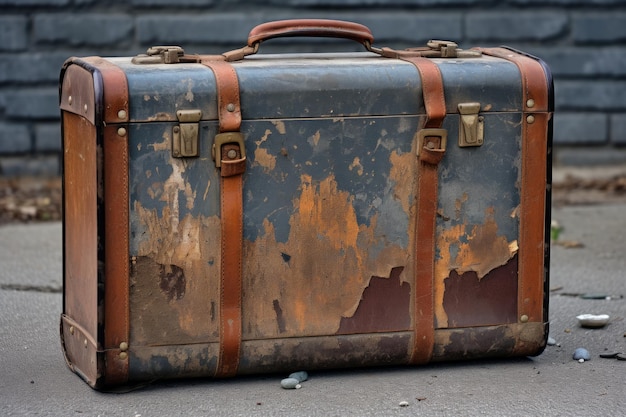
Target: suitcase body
{"x":328,"y":237}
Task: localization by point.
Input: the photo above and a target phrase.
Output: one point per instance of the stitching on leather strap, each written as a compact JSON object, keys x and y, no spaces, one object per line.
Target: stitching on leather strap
{"x":233,"y":165}
{"x":427,"y":202}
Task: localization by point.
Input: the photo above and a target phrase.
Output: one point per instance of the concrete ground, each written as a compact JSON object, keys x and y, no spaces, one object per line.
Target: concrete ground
{"x":591,"y":258}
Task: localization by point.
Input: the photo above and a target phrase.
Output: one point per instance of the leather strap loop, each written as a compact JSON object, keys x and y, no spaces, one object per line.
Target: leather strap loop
{"x":430,"y":154}
{"x":233,"y":165}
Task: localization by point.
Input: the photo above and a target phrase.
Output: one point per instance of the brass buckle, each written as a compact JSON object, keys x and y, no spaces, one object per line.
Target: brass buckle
{"x":223,"y":138}
{"x":442,"y":134}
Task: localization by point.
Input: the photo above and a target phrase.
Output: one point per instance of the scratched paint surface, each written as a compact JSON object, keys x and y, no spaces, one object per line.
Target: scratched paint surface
{"x":478,"y":221}
{"x":329,"y":195}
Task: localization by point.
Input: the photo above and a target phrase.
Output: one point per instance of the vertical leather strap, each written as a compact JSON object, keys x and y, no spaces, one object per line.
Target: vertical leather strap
{"x":533,"y":200}
{"x":114,"y":115}
{"x":233,"y":165}
{"x":431,"y":148}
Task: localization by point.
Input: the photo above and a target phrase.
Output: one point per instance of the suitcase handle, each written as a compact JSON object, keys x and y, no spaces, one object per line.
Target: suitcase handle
{"x":324,"y":28}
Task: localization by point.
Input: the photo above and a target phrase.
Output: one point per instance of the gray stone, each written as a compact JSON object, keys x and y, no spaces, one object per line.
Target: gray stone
{"x":180,"y":3}
{"x":290,"y":383}
{"x":599,"y":27}
{"x":13,"y":35}
{"x":23,"y":3}
{"x":413,"y":27}
{"x":48,"y":137}
{"x":14,"y":138}
{"x":361,"y":3}
{"x":618,"y":129}
{"x":581,"y":353}
{"x":599,"y":95}
{"x":580,"y":128}
{"x":82,"y":29}
{"x":569,"y":3}
{"x":32,"y":68}
{"x":585,"y":62}
{"x":216,"y":28}
{"x":29,"y":103}
{"x":518,"y":26}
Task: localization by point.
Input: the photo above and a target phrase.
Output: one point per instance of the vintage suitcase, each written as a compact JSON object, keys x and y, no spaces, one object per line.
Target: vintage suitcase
{"x":245,"y":213}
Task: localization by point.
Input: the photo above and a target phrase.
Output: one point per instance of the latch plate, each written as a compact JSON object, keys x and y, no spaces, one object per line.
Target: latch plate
{"x":185,"y":134}
{"x":471,"y":125}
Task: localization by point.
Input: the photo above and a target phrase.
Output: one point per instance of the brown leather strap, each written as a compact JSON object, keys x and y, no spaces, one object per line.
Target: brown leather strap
{"x":431,"y":148}
{"x":537,"y":113}
{"x":116,"y":214}
{"x":233,"y":165}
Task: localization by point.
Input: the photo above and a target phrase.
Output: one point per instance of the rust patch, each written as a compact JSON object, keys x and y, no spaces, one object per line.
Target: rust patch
{"x":172,"y":282}
{"x":402,"y":173}
{"x":384,"y":307}
{"x":280,"y":126}
{"x":469,"y":301}
{"x":321,"y":265}
{"x":356,"y":164}
{"x":479,"y":249}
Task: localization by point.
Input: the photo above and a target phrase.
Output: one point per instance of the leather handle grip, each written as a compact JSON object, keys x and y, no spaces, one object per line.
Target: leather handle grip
{"x":310,"y":27}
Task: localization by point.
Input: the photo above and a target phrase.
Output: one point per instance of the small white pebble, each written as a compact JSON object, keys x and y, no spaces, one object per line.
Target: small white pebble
{"x":404,"y":403}
{"x":581,"y":360}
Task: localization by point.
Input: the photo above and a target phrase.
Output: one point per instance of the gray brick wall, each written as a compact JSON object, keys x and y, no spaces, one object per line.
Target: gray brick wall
{"x":583,"y":41}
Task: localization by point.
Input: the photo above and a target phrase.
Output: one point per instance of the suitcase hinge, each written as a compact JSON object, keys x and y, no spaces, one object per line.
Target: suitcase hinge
{"x":472,"y":126}
{"x":185,"y":135}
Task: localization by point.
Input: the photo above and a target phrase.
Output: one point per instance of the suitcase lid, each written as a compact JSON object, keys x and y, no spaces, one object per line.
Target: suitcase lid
{"x":328,"y":85}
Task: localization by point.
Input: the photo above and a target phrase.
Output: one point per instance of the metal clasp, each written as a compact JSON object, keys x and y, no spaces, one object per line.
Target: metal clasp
{"x":185,"y":135}
{"x":423,"y":139}
{"x":472,"y":126}
{"x":448,"y":49}
{"x":162,"y":54}
{"x":222,"y":139}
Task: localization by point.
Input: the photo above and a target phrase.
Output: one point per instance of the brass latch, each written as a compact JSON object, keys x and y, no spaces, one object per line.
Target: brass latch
{"x":422,"y":140}
{"x":448,"y":49}
{"x":163,"y":54}
{"x":472,"y":126}
{"x":222,"y":139}
{"x":185,"y":134}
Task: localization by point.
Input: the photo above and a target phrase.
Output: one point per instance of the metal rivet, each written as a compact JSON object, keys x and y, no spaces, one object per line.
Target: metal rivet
{"x":176,"y":129}
{"x":430,"y":145}
{"x":71,"y":329}
{"x":69,"y":100}
{"x":530,"y":103}
{"x":121,"y":114}
{"x":524,"y":318}
{"x":230,"y":107}
{"x":121,"y":131}
{"x":530,"y":119}
{"x":123,"y":355}
{"x":232,"y":154}
{"x":85,"y":108}
{"x":123,"y":346}
{"x":85,"y":343}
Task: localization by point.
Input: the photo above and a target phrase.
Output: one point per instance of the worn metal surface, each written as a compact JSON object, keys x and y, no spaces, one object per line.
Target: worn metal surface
{"x":329,"y":215}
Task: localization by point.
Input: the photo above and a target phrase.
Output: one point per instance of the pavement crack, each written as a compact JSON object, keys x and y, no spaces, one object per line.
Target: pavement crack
{"x":34,"y":288}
